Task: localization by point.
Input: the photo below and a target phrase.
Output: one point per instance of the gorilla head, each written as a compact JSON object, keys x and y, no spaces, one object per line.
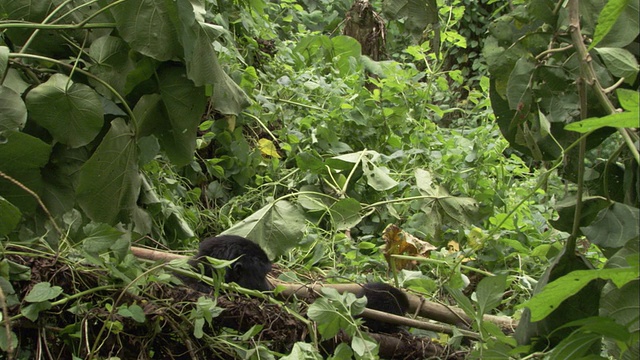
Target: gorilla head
{"x":249,"y":270}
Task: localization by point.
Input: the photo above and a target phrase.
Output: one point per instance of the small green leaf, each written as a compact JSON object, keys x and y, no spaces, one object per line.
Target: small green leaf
{"x":303,"y":351}
{"x":607,"y":18}
{"x":629,"y":99}
{"x":4,"y":339}
{"x":42,"y":292}
{"x":362,"y":346}
{"x":32,"y":311}
{"x":198,"y":327}
{"x":109,"y":182}
{"x":100,"y":238}
{"x":134,"y":311}
{"x":620,"y":62}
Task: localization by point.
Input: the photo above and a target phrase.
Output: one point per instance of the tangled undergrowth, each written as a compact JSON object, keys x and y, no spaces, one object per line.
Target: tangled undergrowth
{"x":96,"y":316}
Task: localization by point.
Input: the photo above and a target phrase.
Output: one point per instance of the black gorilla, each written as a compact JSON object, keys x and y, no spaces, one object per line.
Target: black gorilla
{"x":383,"y":297}
{"x":249,"y":271}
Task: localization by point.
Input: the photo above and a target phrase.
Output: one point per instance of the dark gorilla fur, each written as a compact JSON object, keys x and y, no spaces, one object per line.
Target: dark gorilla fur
{"x":249,"y":271}
{"x":384,"y":297}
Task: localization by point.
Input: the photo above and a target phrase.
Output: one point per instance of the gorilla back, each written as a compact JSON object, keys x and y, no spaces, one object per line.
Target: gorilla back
{"x":249,"y":271}
{"x":384,"y":297}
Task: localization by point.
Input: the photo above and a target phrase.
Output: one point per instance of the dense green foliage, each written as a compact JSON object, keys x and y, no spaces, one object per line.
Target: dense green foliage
{"x":159,"y":123}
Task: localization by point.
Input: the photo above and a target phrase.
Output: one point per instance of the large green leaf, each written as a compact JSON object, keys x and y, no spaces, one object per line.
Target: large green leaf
{"x":490,"y":292}
{"x":580,"y":305}
{"x":419,"y":14}
{"x":618,"y":24}
{"x":620,"y":62}
{"x":9,"y":216}
{"x":623,"y":304}
{"x":346,"y":213}
{"x":519,"y":84}
{"x":22,"y":156}
{"x":147,"y":27}
{"x":614,"y":226}
{"x":112,"y":64}
{"x":184,"y":105}
{"x":149,"y":114}
{"x":277,"y":227}
{"x":345,"y":50}
{"x":566,"y":208}
{"x":109,"y":182}
{"x":61,"y":178}
{"x":13,"y":112}
{"x":545,"y":302}
{"x":197,"y":38}
{"x":624,"y":120}
{"x":72,"y":112}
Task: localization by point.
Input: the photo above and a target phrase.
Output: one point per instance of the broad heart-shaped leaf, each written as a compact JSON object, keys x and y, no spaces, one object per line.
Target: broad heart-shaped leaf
{"x":9,"y":216}
{"x":71,"y":112}
{"x":591,"y":207}
{"x":203,"y":68}
{"x":519,"y":84}
{"x":109,"y":182}
{"x":277,"y":227}
{"x":345,"y":49}
{"x":147,"y":27}
{"x":184,"y":104}
{"x":620,"y":62}
{"x":134,"y":311}
{"x":346,"y":213}
{"x":13,"y":112}
{"x":419,"y":14}
{"x":461,"y":210}
{"x":614,"y":226}
{"x":112,"y":64}
{"x":22,"y":156}
{"x":302,"y":350}
{"x":100,"y":238}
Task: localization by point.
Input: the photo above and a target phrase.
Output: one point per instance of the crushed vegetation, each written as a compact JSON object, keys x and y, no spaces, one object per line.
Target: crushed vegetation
{"x":100,"y":321}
